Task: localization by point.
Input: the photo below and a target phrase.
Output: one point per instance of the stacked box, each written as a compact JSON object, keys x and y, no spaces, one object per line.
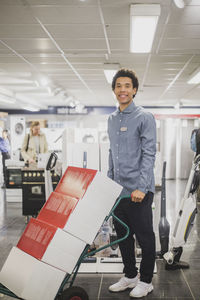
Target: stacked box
{"x":52,"y":244}
{"x":30,"y":278}
{"x":57,"y":209}
{"x":91,"y":207}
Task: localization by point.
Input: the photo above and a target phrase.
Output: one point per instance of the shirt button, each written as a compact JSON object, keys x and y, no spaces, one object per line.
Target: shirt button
{"x":117,"y":157}
{"x":117,"y":145}
{"x":117,"y":132}
{"x":120,"y":120}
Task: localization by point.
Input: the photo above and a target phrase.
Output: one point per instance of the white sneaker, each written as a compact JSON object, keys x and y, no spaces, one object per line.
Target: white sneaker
{"x":123,"y":284}
{"x":141,"y":289}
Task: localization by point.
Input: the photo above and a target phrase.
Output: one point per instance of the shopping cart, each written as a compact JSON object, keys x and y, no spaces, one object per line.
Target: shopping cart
{"x":67,"y":291}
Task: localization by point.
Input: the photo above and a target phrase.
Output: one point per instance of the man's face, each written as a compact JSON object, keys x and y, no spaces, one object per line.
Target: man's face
{"x":124,"y":90}
{"x":36,"y":130}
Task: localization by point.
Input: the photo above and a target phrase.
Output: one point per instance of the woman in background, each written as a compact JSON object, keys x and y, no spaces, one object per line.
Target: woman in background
{"x":34,"y":143}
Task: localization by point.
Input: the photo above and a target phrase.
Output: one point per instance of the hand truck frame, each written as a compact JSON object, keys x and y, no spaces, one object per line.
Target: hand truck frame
{"x":67,"y":291}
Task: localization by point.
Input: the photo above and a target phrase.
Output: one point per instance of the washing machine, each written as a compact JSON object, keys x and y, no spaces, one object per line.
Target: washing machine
{"x":17,"y":132}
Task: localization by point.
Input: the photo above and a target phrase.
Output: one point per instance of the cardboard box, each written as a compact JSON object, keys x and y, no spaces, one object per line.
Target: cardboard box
{"x":57,"y":209}
{"x":75,"y":182}
{"x":91,"y":195}
{"x":30,"y":278}
{"x":51,"y":245}
{"x":90,"y":211}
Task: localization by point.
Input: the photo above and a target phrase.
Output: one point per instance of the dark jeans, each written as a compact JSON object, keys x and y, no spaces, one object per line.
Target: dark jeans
{"x":5,"y":155}
{"x":138,"y":217}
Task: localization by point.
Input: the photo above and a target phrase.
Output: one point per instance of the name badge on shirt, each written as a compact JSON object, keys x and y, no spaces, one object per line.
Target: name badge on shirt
{"x":123,"y":129}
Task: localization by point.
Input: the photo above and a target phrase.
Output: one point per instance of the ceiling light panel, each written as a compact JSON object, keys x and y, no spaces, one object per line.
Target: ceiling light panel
{"x":143,"y":23}
{"x":110,"y":70}
{"x":195,"y":78}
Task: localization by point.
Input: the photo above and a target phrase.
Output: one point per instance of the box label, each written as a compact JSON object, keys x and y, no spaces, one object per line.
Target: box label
{"x":57,"y":209}
{"x":36,"y":238}
{"x":75,"y":181}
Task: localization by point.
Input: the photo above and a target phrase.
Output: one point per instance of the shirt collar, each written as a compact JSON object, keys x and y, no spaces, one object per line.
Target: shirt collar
{"x":129,"y":109}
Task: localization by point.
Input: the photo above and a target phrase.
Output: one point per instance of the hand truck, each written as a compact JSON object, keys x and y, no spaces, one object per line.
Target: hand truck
{"x":67,"y":291}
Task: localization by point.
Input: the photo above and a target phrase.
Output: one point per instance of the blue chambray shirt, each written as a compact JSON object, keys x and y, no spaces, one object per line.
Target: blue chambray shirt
{"x":132,"y":135}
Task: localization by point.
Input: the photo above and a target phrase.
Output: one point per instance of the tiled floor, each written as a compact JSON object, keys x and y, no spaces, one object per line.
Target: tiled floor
{"x":168,"y":285}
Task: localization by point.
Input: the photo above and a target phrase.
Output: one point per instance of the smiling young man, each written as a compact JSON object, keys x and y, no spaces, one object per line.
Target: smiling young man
{"x":132,"y":134}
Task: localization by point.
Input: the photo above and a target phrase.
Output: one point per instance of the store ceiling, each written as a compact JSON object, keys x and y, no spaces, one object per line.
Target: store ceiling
{"x":53,"y":52}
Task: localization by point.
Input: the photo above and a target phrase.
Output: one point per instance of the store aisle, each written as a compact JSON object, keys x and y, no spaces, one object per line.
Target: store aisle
{"x":168,"y":285}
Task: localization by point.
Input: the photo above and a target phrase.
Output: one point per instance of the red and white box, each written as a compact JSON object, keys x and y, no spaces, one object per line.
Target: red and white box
{"x":75,"y":181}
{"x":57,"y":209}
{"x":90,"y":211}
{"x":51,"y":245}
{"x":30,"y":278}
{"x":95,"y":194}
{"x":83,"y":198}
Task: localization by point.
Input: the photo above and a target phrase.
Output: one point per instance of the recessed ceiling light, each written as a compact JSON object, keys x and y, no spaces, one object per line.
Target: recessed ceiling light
{"x":143,"y":23}
{"x":110,"y":70}
{"x":195,"y":79}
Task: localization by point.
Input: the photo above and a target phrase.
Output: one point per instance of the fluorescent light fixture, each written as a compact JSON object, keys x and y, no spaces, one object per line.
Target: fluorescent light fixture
{"x":179,"y":3}
{"x":195,"y":78}
{"x":143,"y":23}
{"x":110,"y":70}
{"x":31,"y":108}
{"x":49,"y":91}
{"x":109,"y":75}
{"x":7,"y":99}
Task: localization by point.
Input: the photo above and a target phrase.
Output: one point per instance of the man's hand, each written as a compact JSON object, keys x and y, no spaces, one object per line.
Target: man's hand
{"x":137,"y":196}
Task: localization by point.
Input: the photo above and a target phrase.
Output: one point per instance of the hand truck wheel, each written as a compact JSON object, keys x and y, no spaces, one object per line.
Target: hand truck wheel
{"x":74,"y":293}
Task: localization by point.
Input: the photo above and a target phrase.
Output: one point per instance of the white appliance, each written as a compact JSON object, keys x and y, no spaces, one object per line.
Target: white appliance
{"x":14,"y":195}
{"x":17,"y":132}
